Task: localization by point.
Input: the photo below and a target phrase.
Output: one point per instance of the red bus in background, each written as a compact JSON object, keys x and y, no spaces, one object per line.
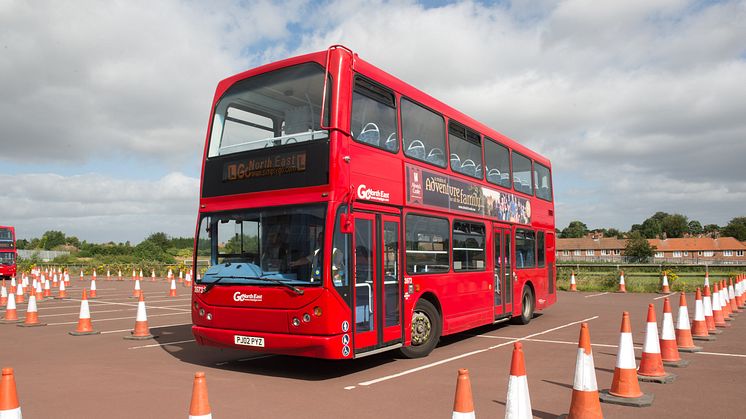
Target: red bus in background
{"x":8,"y":254}
{"x":346,"y":213}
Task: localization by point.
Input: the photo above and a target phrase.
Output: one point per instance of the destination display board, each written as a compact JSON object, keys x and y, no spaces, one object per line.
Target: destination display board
{"x":433,"y":189}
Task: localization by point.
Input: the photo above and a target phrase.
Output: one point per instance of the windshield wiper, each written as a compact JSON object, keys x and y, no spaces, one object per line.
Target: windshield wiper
{"x":284,"y":284}
{"x":295,"y":289}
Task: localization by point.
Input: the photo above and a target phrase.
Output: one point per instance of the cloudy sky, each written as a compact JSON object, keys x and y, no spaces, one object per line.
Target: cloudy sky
{"x":640,"y":104}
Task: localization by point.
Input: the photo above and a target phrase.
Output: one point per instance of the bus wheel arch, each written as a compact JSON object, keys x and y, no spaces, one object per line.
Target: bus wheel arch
{"x":528,"y":304}
{"x":427,"y":326}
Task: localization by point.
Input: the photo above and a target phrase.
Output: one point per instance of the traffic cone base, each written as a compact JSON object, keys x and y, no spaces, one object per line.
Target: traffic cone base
{"x":140,"y":337}
{"x":645,"y":400}
{"x":92,"y":332}
{"x":666,"y":378}
{"x":141,"y":331}
{"x":695,"y":348}
{"x":681,"y":363}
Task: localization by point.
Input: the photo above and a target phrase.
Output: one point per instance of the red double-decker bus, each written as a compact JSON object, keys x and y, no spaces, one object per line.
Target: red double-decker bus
{"x":346,"y":213}
{"x":8,"y":253}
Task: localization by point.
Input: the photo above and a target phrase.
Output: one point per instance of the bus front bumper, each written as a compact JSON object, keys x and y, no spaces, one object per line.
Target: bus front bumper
{"x":328,"y":347}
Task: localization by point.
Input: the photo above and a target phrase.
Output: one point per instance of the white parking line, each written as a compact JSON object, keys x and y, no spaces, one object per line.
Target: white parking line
{"x":155,"y":345}
{"x":721,"y":354}
{"x":115,"y":318}
{"x":151,"y":327}
{"x":135,"y":305}
{"x":596,"y":295}
{"x":447,"y":360}
{"x":664,"y":296}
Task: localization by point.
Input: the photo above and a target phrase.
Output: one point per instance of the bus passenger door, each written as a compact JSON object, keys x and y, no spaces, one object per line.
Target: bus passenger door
{"x":503,"y":286}
{"x":376,"y":278}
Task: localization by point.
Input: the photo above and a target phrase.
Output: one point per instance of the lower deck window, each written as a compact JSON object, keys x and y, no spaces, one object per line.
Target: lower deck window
{"x":427,"y":244}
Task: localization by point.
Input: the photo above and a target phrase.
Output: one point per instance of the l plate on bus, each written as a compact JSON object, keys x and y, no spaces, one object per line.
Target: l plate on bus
{"x":248,"y":341}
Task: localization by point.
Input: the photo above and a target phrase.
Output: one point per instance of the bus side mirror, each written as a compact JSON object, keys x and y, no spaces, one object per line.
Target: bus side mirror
{"x":347,"y":222}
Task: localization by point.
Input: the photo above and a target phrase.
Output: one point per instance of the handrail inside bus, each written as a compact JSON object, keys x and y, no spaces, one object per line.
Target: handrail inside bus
{"x":323,"y":94}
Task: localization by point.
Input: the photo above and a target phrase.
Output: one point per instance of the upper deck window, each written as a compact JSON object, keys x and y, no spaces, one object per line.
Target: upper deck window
{"x":374,"y":116}
{"x":543,"y":181}
{"x":522,"y":174}
{"x":272,"y":109}
{"x":496,"y":163}
{"x":466,"y":150}
{"x":424,"y":134}
{"x":5,"y":234}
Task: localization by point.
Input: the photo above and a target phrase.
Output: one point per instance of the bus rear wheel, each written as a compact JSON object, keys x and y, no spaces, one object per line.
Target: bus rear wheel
{"x":426,"y":329}
{"x":527,"y":306}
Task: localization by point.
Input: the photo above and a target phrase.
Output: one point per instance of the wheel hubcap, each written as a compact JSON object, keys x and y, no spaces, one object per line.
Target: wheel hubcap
{"x":526,"y":306}
{"x":421,"y":327}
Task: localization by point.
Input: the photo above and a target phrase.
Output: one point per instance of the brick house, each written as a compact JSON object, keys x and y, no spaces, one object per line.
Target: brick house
{"x":726,"y":250}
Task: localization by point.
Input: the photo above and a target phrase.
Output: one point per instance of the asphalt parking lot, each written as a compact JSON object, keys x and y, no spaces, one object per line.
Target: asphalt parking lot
{"x":64,"y":376}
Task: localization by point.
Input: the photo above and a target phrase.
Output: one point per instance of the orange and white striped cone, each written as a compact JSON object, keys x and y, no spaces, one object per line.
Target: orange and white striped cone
{"x":463,"y":403}
{"x":3,"y":294}
{"x":707,"y":279}
{"x":47,"y":289}
{"x":724,"y":302}
{"x":32,"y":314}
{"x":732,"y":296}
{"x":10,"y":408}
{"x":152,"y":275}
{"x":739,"y":292}
{"x":39,"y":292}
{"x":699,"y":325}
{"x":142,"y":331}
{"x":170,"y":274}
{"x":81,"y":274}
{"x":518,"y":403}
{"x":199,"y":407}
{"x":93,"y":288}
{"x":94,"y":274}
{"x":20,"y":299}
{"x":108,"y":275}
{"x":67,"y":279}
{"x":172,"y":291}
{"x":573,"y":285}
{"x":669,"y":350}
{"x":651,"y":364}
{"x":622,"y":285}
{"x":181,"y":277}
{"x":134,"y":275}
{"x":717,"y":312}
{"x":11,"y":315}
{"x":84,"y":319}
{"x":54,"y":281}
{"x":585,"y":402}
{"x":709,"y":315}
{"x":665,"y":288}
{"x":12,"y":288}
{"x":141,"y":277}
{"x":119,"y":275}
{"x":137,"y":291}
{"x":625,"y":388}
{"x":62,"y":291}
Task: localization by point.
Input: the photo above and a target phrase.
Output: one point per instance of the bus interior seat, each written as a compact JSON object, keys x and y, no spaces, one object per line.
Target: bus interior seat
{"x":455,"y":161}
{"x":468,"y":167}
{"x":436,"y":157}
{"x":493,"y":175}
{"x":478,"y":171}
{"x":370,"y":134}
{"x":505,"y":176}
{"x":416,"y":149}
{"x":392,"y":142}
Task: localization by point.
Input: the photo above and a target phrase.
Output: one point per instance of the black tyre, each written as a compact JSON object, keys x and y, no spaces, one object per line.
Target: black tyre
{"x":528,"y":304}
{"x":426,"y":329}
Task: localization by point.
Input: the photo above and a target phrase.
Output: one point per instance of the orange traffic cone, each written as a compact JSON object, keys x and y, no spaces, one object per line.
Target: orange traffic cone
{"x":19,"y":294}
{"x":93,"y":288}
{"x":119,"y":275}
{"x":699,"y":325}
{"x":152,"y":275}
{"x":651,"y":363}
{"x":62,"y":291}
{"x":669,"y":351}
{"x":108,"y":275}
{"x":81,"y":274}
{"x":32,"y":314}
{"x":11,"y":315}
{"x":134,"y":275}
{"x":622,"y":286}
{"x":142,"y":331}
{"x":625,"y":389}
{"x":9,"y":406}
{"x":199,"y":408}
{"x":141,"y":277}
{"x":585,"y":403}
{"x":707,"y":279}
{"x":84,"y":319}
{"x":665,"y":289}
{"x":739,"y":292}
{"x":717,"y":313}
{"x":732,"y":296}
{"x":518,"y":403}
{"x":39,"y":292}
{"x":463,"y":404}
{"x":181,"y":277}
{"x":724,"y":302}
{"x":573,"y":286}
{"x":47,"y":290}
{"x":709,"y":315}
{"x":3,"y":294}
{"x":137,"y":291}
{"x":172,"y":291}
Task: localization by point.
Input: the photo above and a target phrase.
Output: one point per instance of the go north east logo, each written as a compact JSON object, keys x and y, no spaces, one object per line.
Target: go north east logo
{"x":363,"y":192}
{"x":254,"y":298}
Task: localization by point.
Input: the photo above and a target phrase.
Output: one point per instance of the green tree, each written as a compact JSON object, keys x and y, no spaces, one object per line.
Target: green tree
{"x":160,"y":239}
{"x":695,"y":228}
{"x":613,"y":232}
{"x":651,"y":228}
{"x":51,"y":239}
{"x":22,"y":244}
{"x":675,"y":225}
{"x":638,"y":248}
{"x":736,"y":228}
{"x":574,"y":230}
{"x":712,"y":230}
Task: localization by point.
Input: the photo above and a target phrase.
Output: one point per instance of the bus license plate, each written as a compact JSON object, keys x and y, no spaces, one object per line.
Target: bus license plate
{"x":249,"y":340}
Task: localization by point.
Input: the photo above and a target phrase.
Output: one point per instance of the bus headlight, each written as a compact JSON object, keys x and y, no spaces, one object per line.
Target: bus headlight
{"x":306,"y":317}
{"x":209,"y":316}
{"x":296,"y":322}
{"x":201,"y":312}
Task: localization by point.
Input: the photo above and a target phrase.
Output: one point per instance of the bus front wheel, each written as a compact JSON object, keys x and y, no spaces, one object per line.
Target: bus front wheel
{"x":527,"y":306}
{"x":426,"y":329}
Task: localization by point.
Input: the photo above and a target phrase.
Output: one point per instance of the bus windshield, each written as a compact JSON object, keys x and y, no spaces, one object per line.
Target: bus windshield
{"x":261,"y":245}
{"x":278,"y":108}
{"x":7,"y":258}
